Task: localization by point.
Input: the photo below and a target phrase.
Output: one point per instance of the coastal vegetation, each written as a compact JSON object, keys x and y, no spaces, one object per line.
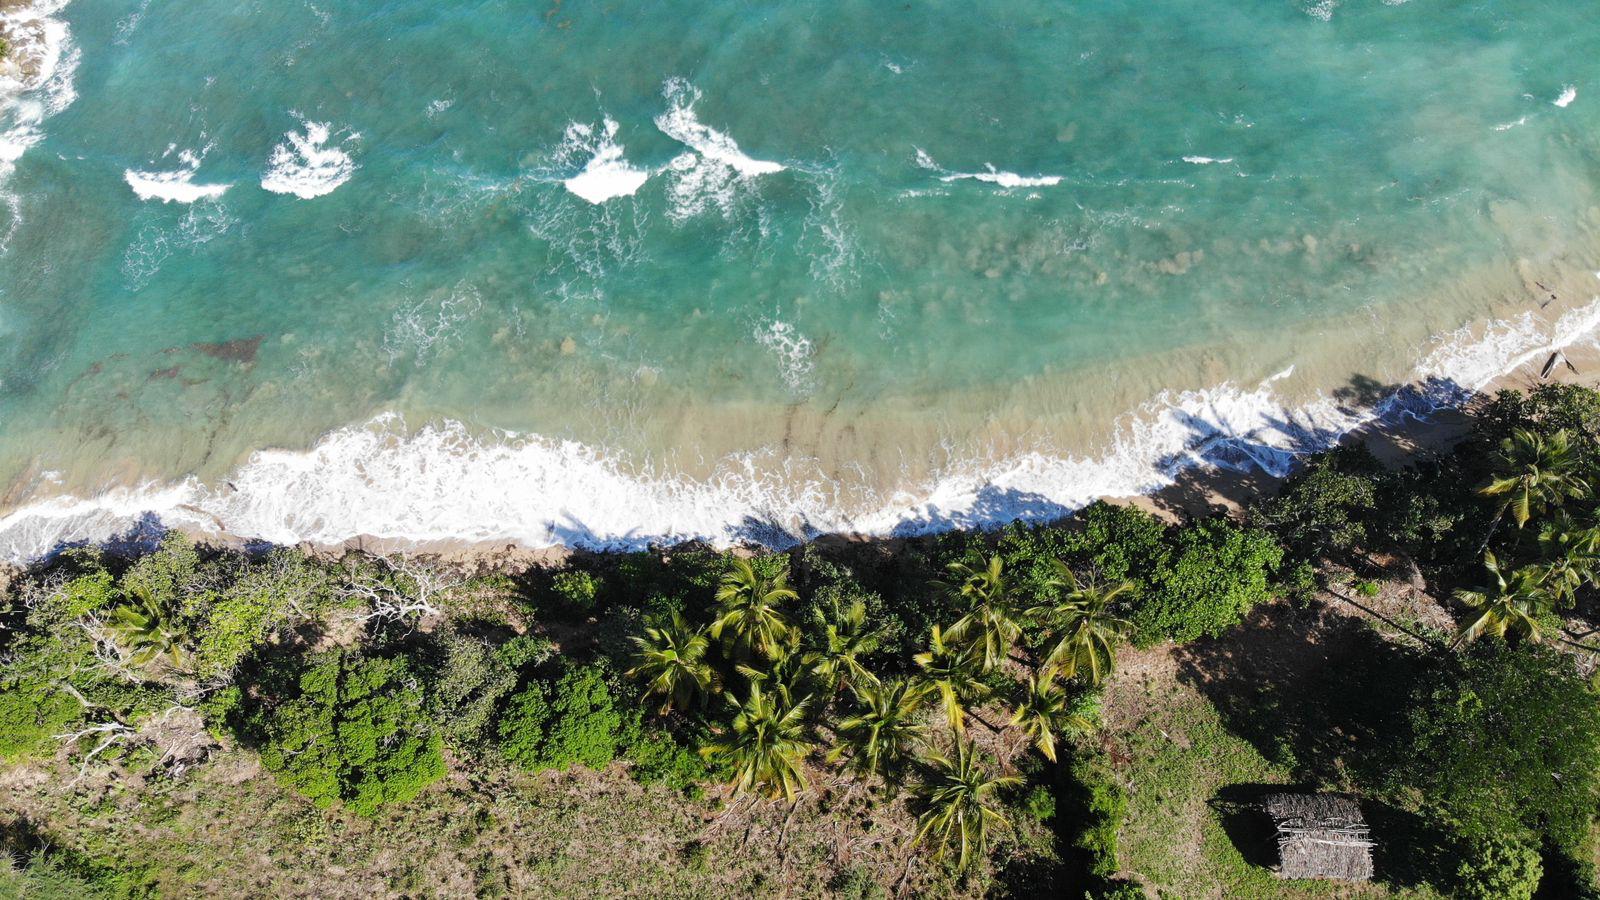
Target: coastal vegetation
{"x":1087,"y":707}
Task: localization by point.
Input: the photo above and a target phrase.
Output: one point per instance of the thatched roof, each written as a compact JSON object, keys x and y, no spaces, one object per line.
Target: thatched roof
{"x":1320,"y":836}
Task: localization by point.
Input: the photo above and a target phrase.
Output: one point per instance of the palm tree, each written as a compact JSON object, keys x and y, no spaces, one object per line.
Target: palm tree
{"x":768,"y":743}
{"x":1509,"y":606}
{"x":1045,"y":711}
{"x":842,"y":638}
{"x":880,"y":735}
{"x":145,"y":628}
{"x":1532,"y":473}
{"x":993,"y":614}
{"x":749,"y":608}
{"x":1571,"y":553}
{"x":671,"y":661}
{"x":1087,"y":630}
{"x":953,"y":671}
{"x":958,"y":804}
{"x":786,"y":672}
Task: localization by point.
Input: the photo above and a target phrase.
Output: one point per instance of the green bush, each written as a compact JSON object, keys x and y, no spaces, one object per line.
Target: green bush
{"x":555,"y":725}
{"x":575,"y":591}
{"x":467,"y":683}
{"x":1499,"y":867}
{"x":260,"y":598}
{"x":1323,"y":511}
{"x":351,"y":729}
{"x":1503,"y":741}
{"x":1100,"y":806}
{"x":1040,"y":803}
{"x":1217,"y":572}
{"x":656,"y":757}
{"x":33,"y":709}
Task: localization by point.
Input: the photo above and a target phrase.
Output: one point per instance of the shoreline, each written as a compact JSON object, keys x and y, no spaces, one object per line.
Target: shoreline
{"x":1395,"y":437}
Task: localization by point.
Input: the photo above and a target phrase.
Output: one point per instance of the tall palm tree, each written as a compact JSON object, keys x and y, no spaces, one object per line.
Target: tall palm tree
{"x":1509,"y":605}
{"x":958,"y":804}
{"x":879,"y":736}
{"x":1085,"y":627}
{"x":842,"y":638}
{"x":1532,"y":472}
{"x":749,"y":608}
{"x":768,"y":744}
{"x":1046,"y":710}
{"x":953,"y":670}
{"x":992,"y":622}
{"x":147,"y":630}
{"x":1571,"y":552}
{"x":671,"y":661}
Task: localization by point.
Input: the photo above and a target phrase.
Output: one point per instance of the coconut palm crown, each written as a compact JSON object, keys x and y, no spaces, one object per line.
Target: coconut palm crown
{"x":671,"y":662}
{"x":958,"y":806}
{"x":1084,"y":624}
{"x":1533,"y":473}
{"x":750,"y":609}
{"x":1508,"y":606}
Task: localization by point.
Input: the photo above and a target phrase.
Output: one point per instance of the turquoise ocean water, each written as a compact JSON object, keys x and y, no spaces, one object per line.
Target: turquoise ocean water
{"x":606,"y":273}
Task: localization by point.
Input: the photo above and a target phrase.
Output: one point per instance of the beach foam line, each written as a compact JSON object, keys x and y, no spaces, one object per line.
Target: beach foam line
{"x":1206,"y":160}
{"x":441,"y":482}
{"x":304,"y":165}
{"x":607,"y":175}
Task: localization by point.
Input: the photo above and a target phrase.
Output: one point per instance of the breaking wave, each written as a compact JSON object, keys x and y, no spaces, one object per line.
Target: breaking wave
{"x":305,"y":166}
{"x":442,"y":482}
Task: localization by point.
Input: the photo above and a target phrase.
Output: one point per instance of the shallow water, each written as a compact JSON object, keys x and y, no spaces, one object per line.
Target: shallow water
{"x":611,"y":273}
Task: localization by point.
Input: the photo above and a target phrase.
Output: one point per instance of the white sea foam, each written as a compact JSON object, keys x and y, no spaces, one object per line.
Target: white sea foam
{"x":714,"y":173}
{"x":1007,"y":180}
{"x":305,"y":165}
{"x":442,"y":482}
{"x":174,"y":185}
{"x":680,"y":123}
{"x":35,"y":83}
{"x":129,"y":23}
{"x":1321,"y":9}
{"x":795,"y":352}
{"x":607,"y":175}
{"x":1515,"y":123}
{"x":1568,"y":94}
{"x":1206,"y":160}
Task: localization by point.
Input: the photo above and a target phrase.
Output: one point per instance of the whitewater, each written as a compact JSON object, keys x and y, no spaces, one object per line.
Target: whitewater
{"x":755,"y":273}
{"x":439,"y":483}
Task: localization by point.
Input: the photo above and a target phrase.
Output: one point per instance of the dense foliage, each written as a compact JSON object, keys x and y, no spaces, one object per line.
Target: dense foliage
{"x":350,"y":729}
{"x":958,"y":680}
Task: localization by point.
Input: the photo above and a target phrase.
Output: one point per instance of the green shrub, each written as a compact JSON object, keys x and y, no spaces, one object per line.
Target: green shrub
{"x":1040,"y":803}
{"x":260,"y":598}
{"x":1100,"y":804}
{"x":1323,"y":511}
{"x":352,"y":729}
{"x":656,"y":757}
{"x":525,"y":650}
{"x":1502,"y":741}
{"x":33,"y":709}
{"x":467,"y":683}
{"x":1499,"y":867}
{"x":575,"y":591}
{"x":555,"y":725}
{"x":1217,"y":572}
{"x":856,"y":883}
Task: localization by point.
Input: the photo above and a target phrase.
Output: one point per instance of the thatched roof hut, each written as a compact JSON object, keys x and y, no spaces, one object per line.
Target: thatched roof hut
{"x":1320,"y":836}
